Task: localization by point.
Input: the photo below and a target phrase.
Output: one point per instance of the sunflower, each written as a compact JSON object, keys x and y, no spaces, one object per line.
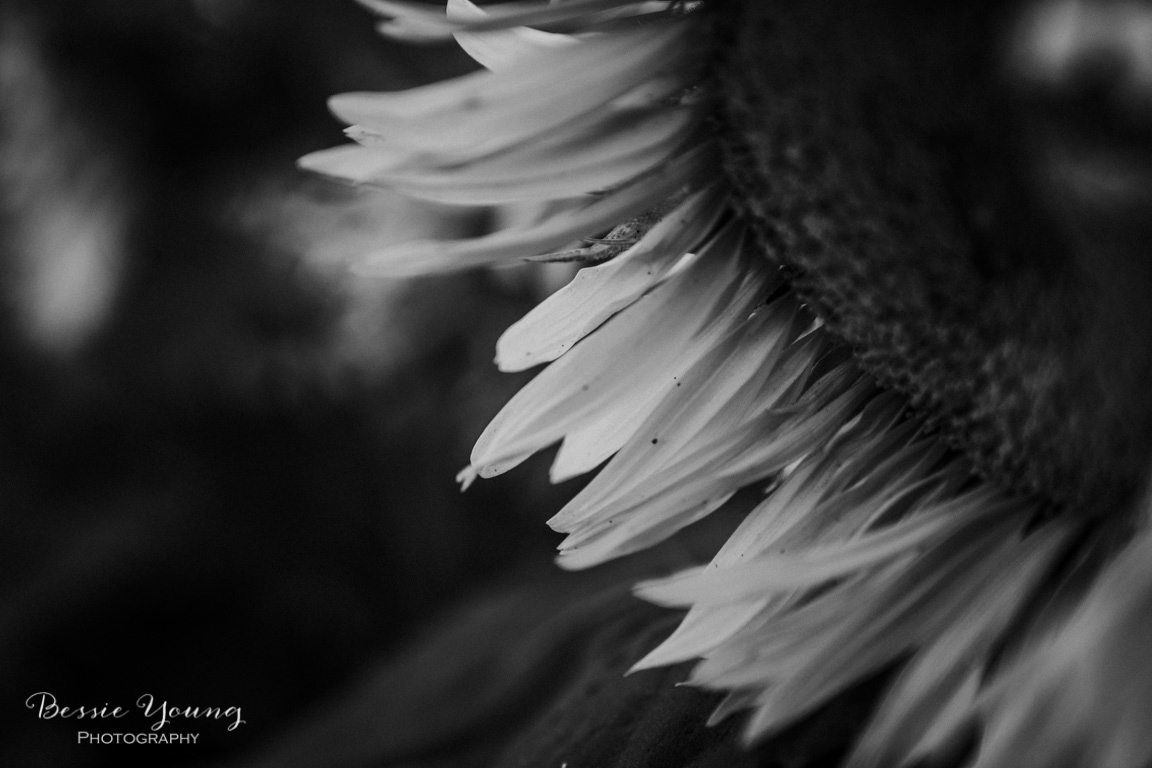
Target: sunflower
{"x":755,"y":311}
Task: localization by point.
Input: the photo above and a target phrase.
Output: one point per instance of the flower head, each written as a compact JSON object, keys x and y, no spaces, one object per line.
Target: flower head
{"x":681,"y":361}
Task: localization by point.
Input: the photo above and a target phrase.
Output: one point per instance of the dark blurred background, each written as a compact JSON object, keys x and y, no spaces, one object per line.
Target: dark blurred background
{"x":227,"y":467}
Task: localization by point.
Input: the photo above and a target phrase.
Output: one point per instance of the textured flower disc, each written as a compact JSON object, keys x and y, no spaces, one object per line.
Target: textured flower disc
{"x":901,"y":159}
{"x":891,"y":264}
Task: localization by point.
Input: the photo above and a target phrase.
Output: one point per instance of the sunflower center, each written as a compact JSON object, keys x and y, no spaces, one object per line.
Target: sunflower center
{"x":887,"y":154}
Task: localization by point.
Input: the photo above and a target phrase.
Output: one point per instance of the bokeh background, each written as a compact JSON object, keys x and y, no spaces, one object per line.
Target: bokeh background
{"x":226,"y":467}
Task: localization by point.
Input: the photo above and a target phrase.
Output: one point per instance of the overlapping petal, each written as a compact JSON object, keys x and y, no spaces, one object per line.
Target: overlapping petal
{"x":588,"y":391}
{"x":633,"y":143}
{"x":684,"y":366}
{"x":419,"y":22}
{"x":934,"y":698}
{"x":487,"y":111}
{"x":499,"y":49}
{"x":556,"y":230}
{"x":596,"y":293}
{"x":591,"y":122}
{"x":703,"y":449}
{"x":1082,"y":693}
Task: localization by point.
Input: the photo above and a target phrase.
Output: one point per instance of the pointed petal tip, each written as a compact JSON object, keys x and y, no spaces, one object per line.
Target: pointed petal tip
{"x":568,"y":562}
{"x":664,"y":591}
{"x":337,"y":164}
{"x":338,"y":103}
{"x":556,"y":525}
{"x":637,"y":667}
{"x":640,"y":666}
{"x":466,"y":477}
{"x":310,"y":161}
{"x":506,"y":365}
{"x":652,"y":660}
{"x":715,"y":719}
{"x":489,"y":472}
{"x":489,"y":463}
{"x":562,"y":471}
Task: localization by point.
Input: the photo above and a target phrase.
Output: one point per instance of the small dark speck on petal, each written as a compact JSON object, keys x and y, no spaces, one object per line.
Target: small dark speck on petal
{"x":655,"y":440}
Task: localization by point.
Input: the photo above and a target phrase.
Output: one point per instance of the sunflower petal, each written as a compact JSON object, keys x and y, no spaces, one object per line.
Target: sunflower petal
{"x":353,"y":162}
{"x":589,"y":381}
{"x":911,"y":605}
{"x":644,"y":494}
{"x":1081,"y":696}
{"x":773,"y":573}
{"x":486,"y":111}
{"x":636,"y":144}
{"x":432,"y":256}
{"x":923,"y":706}
{"x":649,"y":465}
{"x":499,"y":49}
{"x":597,"y":293}
{"x":417,"y":22}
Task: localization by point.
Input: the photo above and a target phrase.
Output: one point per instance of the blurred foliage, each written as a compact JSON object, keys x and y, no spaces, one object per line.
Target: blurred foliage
{"x":202,"y":499}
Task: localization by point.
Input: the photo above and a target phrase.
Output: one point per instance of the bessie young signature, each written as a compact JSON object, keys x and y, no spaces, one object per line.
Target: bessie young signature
{"x":163,"y":713}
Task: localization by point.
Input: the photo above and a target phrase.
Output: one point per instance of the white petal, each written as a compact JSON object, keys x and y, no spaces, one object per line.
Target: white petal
{"x":592,"y":443}
{"x":597,"y":293}
{"x":621,"y":516}
{"x":750,"y":581}
{"x":702,"y":398}
{"x":703,"y":392}
{"x":807,"y":424}
{"x":792,"y":508}
{"x":634,"y":145}
{"x":423,"y":21}
{"x":590,"y":382}
{"x":484,"y":111}
{"x":1081,"y":696}
{"x":915,"y":712}
{"x":649,"y":491}
{"x":642,"y":528}
{"x":499,"y":49}
{"x":424,"y":257}
{"x":415,"y":21}
{"x":701,"y":630}
{"x":905,"y":611}
{"x":734,"y":702}
{"x":353,"y":162}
